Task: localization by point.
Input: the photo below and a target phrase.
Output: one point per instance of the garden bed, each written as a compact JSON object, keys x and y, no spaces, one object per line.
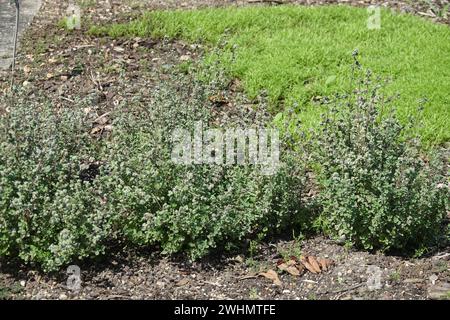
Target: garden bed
{"x":144,"y":275}
{"x":68,"y":67}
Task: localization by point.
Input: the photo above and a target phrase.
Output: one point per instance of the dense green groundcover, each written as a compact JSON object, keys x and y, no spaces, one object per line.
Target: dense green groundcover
{"x":301,"y":53}
{"x":67,"y":196}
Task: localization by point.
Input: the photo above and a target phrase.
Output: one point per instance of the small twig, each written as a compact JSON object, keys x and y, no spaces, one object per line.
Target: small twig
{"x":267,"y":1}
{"x":212,"y":283}
{"x":350,"y":288}
{"x":83,"y":46}
{"x":102,"y":116}
{"x":310,"y":281}
{"x":67,"y":99}
{"x":426,"y":14}
{"x":344,"y":289}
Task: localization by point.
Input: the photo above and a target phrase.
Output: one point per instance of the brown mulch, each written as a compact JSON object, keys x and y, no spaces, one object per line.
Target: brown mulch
{"x":66,"y":67}
{"x":119,"y":10}
{"x":146,"y":275}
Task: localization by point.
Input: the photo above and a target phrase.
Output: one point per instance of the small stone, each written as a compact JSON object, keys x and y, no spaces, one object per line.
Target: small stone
{"x":182,"y":282}
{"x":22,"y":283}
{"x":433,"y":279}
{"x":185,"y":58}
{"x":62,"y":296}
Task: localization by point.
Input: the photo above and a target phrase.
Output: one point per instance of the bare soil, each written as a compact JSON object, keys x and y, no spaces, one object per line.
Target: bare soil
{"x":68,"y":66}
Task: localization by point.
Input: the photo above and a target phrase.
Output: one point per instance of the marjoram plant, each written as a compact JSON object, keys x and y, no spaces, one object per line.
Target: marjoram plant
{"x":379,"y":189}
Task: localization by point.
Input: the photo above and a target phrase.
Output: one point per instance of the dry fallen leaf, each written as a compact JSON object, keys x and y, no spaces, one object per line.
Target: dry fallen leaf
{"x":272,"y":275}
{"x":250,"y":276}
{"x":316,"y":265}
{"x":325,"y":264}
{"x":26,"y":69}
{"x":313,"y":262}
{"x":300,"y":268}
{"x":308,"y":265}
{"x":292,"y":270}
{"x":291,"y":262}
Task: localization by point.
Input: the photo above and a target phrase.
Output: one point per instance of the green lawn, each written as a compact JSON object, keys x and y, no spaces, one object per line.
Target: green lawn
{"x":298,"y":53}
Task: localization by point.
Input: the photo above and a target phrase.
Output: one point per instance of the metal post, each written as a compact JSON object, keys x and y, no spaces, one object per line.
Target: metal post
{"x":16,"y":2}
